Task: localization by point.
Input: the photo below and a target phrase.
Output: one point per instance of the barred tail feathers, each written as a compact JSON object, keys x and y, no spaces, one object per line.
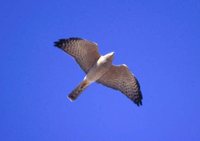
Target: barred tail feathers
{"x":78,"y":90}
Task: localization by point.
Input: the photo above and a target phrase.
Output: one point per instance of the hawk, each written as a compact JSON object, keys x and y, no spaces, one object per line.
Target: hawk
{"x":99,"y":68}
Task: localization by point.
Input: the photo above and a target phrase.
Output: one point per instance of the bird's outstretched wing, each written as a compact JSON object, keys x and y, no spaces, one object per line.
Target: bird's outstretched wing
{"x":120,"y":78}
{"x":85,"y":52}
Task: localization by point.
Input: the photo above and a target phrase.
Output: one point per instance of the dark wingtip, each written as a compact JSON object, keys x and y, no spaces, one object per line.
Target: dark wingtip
{"x":138,"y":99}
{"x":60,"y":43}
{"x":139,"y":103}
{"x":56,"y":44}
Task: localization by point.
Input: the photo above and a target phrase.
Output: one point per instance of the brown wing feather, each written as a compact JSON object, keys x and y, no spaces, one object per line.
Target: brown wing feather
{"x":85,"y":52}
{"x":120,"y":78}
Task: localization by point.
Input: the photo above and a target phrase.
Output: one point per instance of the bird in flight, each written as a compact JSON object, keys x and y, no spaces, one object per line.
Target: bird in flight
{"x":99,"y":68}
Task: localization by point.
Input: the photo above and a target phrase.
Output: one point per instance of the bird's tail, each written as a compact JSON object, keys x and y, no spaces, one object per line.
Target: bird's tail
{"x":77,"y":91}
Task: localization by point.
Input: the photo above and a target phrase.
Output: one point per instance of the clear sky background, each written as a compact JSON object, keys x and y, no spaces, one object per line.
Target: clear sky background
{"x":158,"y":40}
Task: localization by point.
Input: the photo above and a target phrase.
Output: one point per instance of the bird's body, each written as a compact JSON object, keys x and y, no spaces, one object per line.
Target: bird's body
{"x":95,"y":72}
{"x":100,"y":69}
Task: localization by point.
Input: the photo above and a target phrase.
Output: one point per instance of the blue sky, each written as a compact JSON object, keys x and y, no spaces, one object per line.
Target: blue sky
{"x":158,"y":40}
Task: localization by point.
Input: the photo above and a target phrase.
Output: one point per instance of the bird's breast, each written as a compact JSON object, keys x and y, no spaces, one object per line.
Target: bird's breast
{"x":98,"y":70}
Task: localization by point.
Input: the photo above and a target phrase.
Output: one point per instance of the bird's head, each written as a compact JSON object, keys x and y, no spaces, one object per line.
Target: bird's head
{"x":109,"y":56}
